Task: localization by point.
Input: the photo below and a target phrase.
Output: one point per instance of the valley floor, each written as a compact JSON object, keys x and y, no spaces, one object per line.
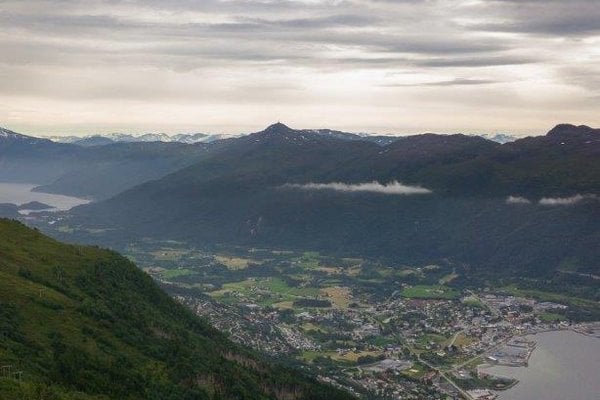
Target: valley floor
{"x":379,"y":331}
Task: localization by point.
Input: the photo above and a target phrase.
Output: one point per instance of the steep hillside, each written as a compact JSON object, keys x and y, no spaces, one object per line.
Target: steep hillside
{"x":101,"y":172}
{"x":84,"y":323}
{"x":33,"y":160}
{"x":96,"y":172}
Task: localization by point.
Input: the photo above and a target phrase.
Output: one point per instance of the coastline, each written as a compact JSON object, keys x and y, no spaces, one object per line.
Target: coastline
{"x":551,"y":370}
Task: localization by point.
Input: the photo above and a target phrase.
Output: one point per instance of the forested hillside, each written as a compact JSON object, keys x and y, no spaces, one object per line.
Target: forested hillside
{"x":84,"y":323}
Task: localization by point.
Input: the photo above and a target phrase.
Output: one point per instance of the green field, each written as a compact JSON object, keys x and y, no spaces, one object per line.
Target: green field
{"x":551,"y":317}
{"x":545,"y":296}
{"x":473,"y":302}
{"x":265,"y":291}
{"x":174,"y":273}
{"x":430,"y":292}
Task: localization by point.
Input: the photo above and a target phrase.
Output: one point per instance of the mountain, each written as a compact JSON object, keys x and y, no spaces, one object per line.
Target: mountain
{"x":96,"y":171}
{"x":86,"y":167}
{"x":33,"y":160}
{"x":8,"y":210}
{"x":379,"y":139}
{"x":104,"y":171}
{"x":100,"y":140}
{"x":96,"y":140}
{"x":561,"y":163}
{"x":499,"y":137}
{"x":35,"y":205}
{"x":191,"y":138}
{"x":84,"y":323}
{"x":521,"y":207}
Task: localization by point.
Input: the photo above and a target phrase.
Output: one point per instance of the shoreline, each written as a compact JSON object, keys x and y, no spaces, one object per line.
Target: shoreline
{"x":506,"y":374}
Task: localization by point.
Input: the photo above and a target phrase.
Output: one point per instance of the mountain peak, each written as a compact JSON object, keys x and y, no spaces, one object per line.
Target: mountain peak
{"x":6,"y":133}
{"x":11,"y":135}
{"x":278,"y":128}
{"x":565,"y":129}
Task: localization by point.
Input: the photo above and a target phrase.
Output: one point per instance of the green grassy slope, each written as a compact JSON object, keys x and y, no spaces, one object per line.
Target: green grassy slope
{"x":85,"y":323}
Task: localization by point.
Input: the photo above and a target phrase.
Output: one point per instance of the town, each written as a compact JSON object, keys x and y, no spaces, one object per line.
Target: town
{"x":378,"y":331}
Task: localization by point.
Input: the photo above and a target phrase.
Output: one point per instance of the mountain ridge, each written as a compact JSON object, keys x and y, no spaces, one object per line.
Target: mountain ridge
{"x":259,"y":191}
{"x":191,"y":138}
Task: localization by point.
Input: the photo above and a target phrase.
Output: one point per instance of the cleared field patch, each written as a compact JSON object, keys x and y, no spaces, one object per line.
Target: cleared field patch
{"x":174,"y":273}
{"x":282,"y":252}
{"x":284,"y":305}
{"x":266,"y":291}
{"x":417,"y":371}
{"x":409,"y":271}
{"x":462,"y":340}
{"x":311,"y":355}
{"x":347,"y":357}
{"x":309,"y":326}
{"x":430,"y":292}
{"x":340,"y":296}
{"x":352,"y":356}
{"x":429,"y":340}
{"x":551,"y":317}
{"x":235,"y":263}
{"x":386,"y":272}
{"x":550,"y":296}
{"x":473,"y":302}
{"x":448,"y":278}
{"x":330,"y":270}
{"x":241,"y":286}
{"x":279,"y":286}
{"x":310,"y":260}
{"x":66,"y":229}
{"x":169,"y":254}
{"x":354,"y":271}
{"x":352,"y":260}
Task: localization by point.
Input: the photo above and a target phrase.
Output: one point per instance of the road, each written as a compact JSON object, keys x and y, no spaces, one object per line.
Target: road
{"x":446,"y":377}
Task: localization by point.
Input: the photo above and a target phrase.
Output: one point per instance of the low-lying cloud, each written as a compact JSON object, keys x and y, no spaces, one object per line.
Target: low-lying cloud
{"x":517,"y":200}
{"x":392,"y":188}
{"x":552,"y":201}
{"x":564,"y":201}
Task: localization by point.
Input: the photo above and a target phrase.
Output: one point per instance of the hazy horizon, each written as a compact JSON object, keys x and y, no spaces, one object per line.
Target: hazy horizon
{"x":138,"y":133}
{"x":387,"y":67}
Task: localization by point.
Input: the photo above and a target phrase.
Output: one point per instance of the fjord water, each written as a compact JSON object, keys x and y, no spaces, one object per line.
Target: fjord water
{"x":564,"y":365}
{"x":20,"y":193}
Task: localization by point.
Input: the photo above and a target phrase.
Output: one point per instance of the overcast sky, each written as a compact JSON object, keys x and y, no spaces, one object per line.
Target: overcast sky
{"x":225,"y":66}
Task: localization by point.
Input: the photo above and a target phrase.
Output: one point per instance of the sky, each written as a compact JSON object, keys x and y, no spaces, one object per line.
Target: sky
{"x":235,"y":66}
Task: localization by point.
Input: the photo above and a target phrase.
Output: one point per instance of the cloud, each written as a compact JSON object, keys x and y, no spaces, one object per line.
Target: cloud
{"x":517,"y":200}
{"x":451,"y":82}
{"x":335,"y":60}
{"x":547,"y":17}
{"x":564,"y":201}
{"x":471,"y":62}
{"x":392,"y":188}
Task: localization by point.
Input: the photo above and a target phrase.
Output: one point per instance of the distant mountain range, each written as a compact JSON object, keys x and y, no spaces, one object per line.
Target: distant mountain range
{"x":499,"y":137}
{"x":99,"y":140}
{"x":522,"y":207}
{"x":90,"y":171}
{"x":189,"y":138}
{"x":101,"y":166}
{"x":525,"y":206}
